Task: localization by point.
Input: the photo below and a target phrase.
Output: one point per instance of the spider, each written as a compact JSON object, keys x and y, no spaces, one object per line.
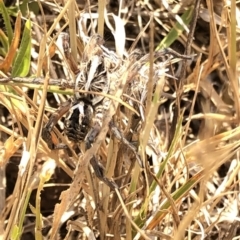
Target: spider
{"x":83,"y":123}
{"x":86,"y":111}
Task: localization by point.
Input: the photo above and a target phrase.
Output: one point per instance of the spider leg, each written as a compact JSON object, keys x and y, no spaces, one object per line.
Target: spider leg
{"x":97,"y":121}
{"x":48,"y":128}
{"x":117,"y":133}
{"x":90,"y":138}
{"x":98,"y":168}
{"x":99,"y":171}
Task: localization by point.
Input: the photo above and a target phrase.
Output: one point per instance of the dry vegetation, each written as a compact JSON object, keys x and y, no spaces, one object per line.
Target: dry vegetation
{"x":179,"y":114}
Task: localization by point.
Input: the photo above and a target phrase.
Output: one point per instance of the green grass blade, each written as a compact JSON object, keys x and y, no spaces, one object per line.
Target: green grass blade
{"x":176,"y":196}
{"x":176,"y":30}
{"x":7,"y":22}
{"x":4,"y":42}
{"x":22,"y":61}
{"x":24,"y":8}
{"x":141,"y":218}
{"x":15,"y":234}
{"x":171,"y":151}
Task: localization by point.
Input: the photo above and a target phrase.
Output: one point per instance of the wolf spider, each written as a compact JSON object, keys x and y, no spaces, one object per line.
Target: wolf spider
{"x":83,"y":123}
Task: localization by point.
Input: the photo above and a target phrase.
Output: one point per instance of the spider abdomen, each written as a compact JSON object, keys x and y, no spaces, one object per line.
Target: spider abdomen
{"x":78,"y":123}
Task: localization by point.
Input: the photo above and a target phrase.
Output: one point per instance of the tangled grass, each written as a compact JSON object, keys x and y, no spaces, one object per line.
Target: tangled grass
{"x":181,"y":116}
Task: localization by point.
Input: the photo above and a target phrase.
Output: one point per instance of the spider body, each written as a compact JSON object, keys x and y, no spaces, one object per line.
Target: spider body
{"x":83,"y":123}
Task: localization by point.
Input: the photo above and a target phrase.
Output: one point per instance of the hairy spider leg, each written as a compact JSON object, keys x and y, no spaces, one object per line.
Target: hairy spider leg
{"x":47,"y":130}
{"x":97,"y":121}
{"x":118,"y":134}
{"x":100,"y":111}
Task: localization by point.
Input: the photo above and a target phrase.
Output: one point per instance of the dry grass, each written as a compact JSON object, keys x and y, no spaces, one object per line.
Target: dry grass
{"x":181,"y":115}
